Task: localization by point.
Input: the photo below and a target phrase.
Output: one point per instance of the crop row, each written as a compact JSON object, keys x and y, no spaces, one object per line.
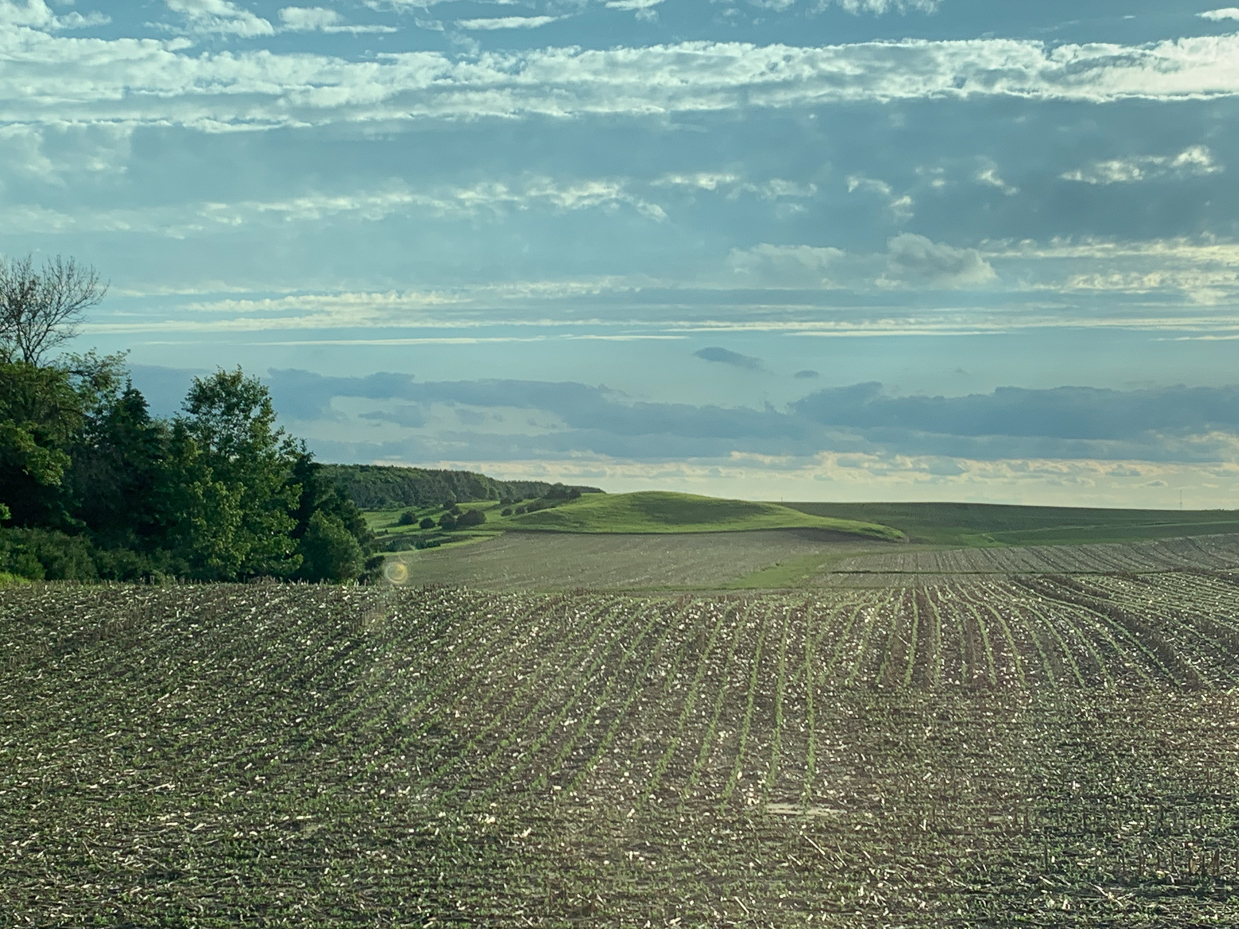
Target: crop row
{"x":1217,"y":552}
{"x":1038,"y":746}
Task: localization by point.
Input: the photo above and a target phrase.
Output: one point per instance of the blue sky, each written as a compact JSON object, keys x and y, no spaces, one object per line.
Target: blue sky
{"x":839,"y":249}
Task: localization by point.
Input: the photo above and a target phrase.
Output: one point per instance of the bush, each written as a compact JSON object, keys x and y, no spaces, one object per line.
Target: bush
{"x":426,"y":523}
{"x":506,"y":511}
{"x":329,"y":551}
{"x":407,"y":518}
{"x":520,"y":510}
{"x":471,"y":518}
{"x":447,"y":522}
{"x":44,"y":554}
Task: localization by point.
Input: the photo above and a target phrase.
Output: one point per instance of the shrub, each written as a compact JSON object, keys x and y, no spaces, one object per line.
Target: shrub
{"x":471,"y":518}
{"x":447,"y":522}
{"x":506,"y":511}
{"x":40,"y":554}
{"x":426,"y":523}
{"x":407,"y":518}
{"x":329,"y":551}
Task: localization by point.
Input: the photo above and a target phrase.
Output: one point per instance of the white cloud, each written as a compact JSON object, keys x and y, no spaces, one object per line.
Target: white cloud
{"x":59,"y":154}
{"x":702,"y":180}
{"x":1230,"y":12}
{"x":1194,"y":161}
{"x":50,"y":78}
{"x":507,"y":22}
{"x":486,"y":198}
{"x":36,"y":15}
{"x":883,"y":6}
{"x":901,"y":206}
{"x":645,"y":9}
{"x":220,"y":16}
{"x":320,"y":19}
{"x":785,"y":265}
{"x":307,"y":19}
{"x":915,"y":261}
{"x":989,"y":177}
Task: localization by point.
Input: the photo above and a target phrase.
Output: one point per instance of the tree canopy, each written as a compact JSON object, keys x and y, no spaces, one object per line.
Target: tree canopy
{"x":91,"y":485}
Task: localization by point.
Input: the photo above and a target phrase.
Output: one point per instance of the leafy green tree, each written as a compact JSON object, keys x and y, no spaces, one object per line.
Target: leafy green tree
{"x":471,"y":518}
{"x":40,"y":413}
{"x":117,"y":456}
{"x":317,"y":494}
{"x":227,"y":500}
{"x":329,"y":551}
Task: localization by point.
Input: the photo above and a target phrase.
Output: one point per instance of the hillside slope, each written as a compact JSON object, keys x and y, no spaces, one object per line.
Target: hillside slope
{"x":660,"y":511}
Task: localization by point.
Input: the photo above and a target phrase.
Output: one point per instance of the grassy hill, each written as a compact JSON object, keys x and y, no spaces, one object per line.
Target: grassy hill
{"x":660,"y":512}
{"x":980,"y":524}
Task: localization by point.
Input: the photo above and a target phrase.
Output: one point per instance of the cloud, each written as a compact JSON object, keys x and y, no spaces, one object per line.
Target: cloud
{"x":1230,"y":12}
{"x":645,"y":9}
{"x":901,"y":206}
{"x":915,"y":261}
{"x":883,"y":6}
{"x":409,"y":415}
{"x":507,"y":22}
{"x":728,"y":357}
{"x":35,"y":14}
{"x":1067,"y":423}
{"x":1074,"y":413}
{"x":807,"y":374}
{"x":785,"y":265}
{"x":220,"y":16}
{"x":989,"y":177}
{"x":180,"y":221}
{"x":321,"y":19}
{"x":309,"y":19}
{"x":1195,"y":161}
{"x":52,"y":78}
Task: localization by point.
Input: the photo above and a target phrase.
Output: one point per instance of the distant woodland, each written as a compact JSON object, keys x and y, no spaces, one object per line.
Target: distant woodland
{"x":380,"y":487}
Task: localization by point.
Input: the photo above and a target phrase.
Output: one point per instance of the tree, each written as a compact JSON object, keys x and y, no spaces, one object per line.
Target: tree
{"x":329,"y":551}
{"x":227,"y":498}
{"x":41,"y":309}
{"x":471,"y":518}
{"x":117,"y":455}
{"x":322,"y":514}
{"x":40,"y":413}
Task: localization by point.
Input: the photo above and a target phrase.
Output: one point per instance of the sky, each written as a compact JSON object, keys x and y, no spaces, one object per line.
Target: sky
{"x":770,"y":249}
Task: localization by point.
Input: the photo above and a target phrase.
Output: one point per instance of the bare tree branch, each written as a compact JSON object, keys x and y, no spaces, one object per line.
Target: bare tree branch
{"x":42,"y":309}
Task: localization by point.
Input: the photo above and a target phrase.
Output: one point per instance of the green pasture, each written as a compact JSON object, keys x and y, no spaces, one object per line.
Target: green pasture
{"x":660,"y":511}
{"x":960,"y":525}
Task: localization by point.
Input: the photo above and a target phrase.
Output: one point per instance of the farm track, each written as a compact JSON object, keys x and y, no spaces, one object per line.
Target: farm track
{"x":1045,"y":749}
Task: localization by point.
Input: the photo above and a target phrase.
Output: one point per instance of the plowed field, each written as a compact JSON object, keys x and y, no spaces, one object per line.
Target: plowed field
{"x":1044,"y":750}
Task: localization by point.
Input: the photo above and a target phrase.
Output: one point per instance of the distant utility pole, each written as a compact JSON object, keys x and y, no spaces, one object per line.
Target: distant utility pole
{"x":1180,"y":501}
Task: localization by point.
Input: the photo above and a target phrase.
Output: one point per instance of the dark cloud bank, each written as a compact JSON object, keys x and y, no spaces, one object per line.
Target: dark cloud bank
{"x":728,"y":357}
{"x":1158,"y":424}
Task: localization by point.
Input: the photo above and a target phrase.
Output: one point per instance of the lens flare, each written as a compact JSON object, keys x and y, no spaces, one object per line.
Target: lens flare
{"x":396,"y":572}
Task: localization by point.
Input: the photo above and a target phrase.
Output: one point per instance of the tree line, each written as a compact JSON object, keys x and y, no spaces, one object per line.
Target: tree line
{"x":93,"y":486}
{"x":378,"y":487}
